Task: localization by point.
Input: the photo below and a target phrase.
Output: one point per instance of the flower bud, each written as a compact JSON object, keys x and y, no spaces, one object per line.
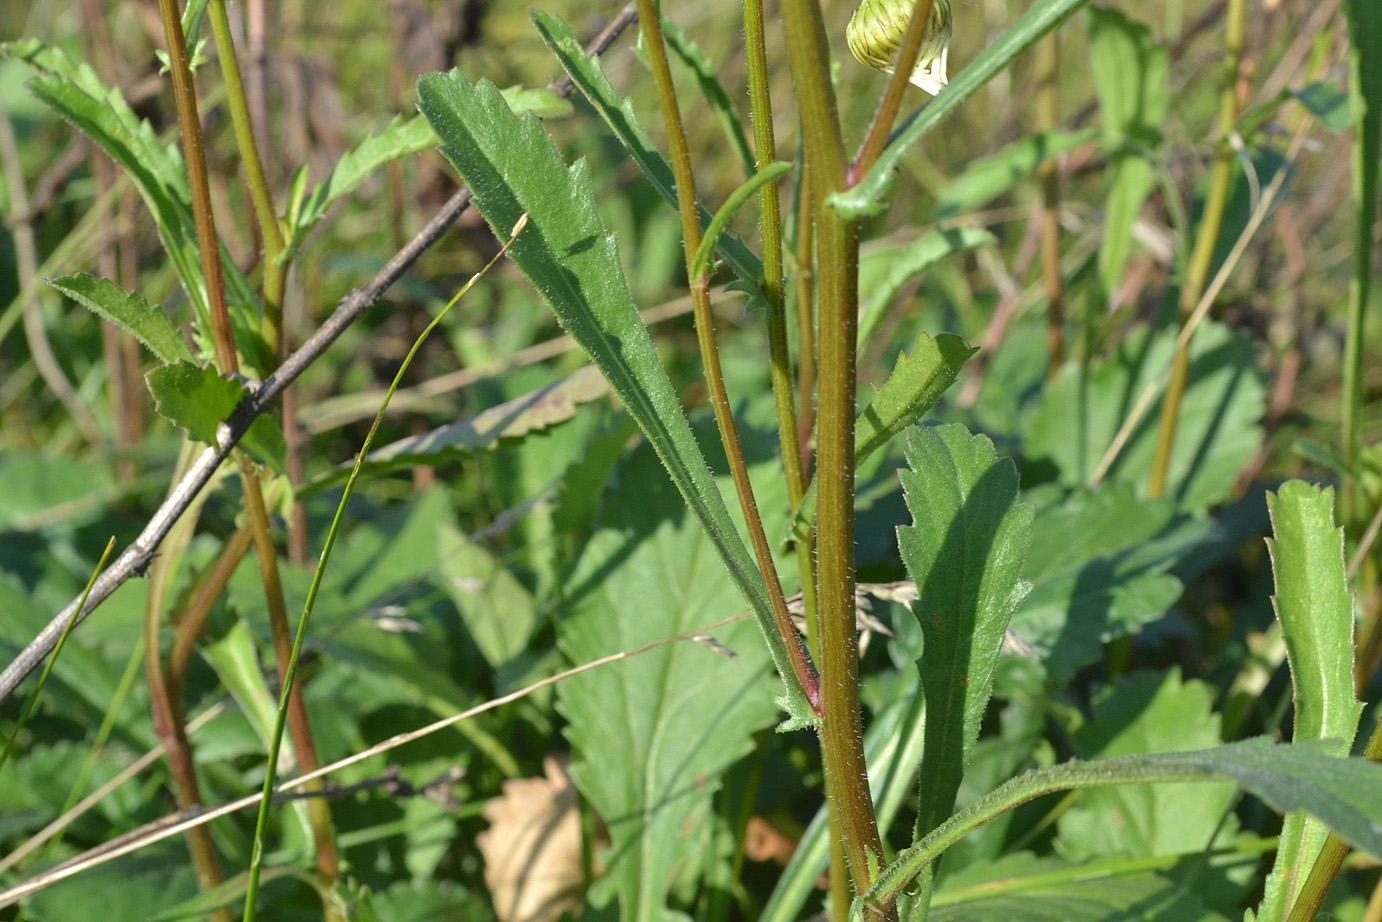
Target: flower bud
{"x":875,"y":32}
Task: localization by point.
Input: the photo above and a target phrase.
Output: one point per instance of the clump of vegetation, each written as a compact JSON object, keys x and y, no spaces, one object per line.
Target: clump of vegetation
{"x":772,"y":504}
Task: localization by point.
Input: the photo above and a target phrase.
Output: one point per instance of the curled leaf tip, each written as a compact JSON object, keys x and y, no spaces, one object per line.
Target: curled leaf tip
{"x":875,"y":33}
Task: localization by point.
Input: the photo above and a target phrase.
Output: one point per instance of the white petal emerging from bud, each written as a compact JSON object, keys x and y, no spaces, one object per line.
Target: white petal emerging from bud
{"x":875,"y":32}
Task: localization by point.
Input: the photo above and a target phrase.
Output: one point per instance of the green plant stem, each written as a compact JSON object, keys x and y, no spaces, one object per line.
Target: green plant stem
{"x":295,"y":654}
{"x":299,"y":727}
{"x":891,"y":105}
{"x":1364,"y":209}
{"x":1206,"y":239}
{"x":1048,"y":69}
{"x":1308,"y":901}
{"x":1069,"y":776}
{"x":837,"y":296}
{"x":265,"y":214}
{"x":208,"y":244}
{"x":271,"y":234}
{"x":168,"y":722}
{"x":806,"y":324}
{"x":185,"y":95}
{"x":774,"y":274}
{"x":680,"y":158}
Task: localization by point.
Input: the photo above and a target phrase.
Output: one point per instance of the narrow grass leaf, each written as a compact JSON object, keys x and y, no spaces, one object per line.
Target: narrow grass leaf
{"x":129,"y":311}
{"x":868,"y":196}
{"x":1315,"y":609}
{"x":513,"y":168}
{"x":965,"y":552}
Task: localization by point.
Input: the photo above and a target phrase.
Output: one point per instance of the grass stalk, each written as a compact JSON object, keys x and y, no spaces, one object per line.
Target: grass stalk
{"x":1048,"y":174}
{"x":1206,"y":239}
{"x":295,"y":654}
{"x":318,"y":811}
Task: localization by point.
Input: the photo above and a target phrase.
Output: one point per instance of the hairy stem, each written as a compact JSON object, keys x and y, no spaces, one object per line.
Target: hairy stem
{"x":774,"y":277}
{"x":837,"y":297}
{"x":680,"y":158}
{"x":185,"y":95}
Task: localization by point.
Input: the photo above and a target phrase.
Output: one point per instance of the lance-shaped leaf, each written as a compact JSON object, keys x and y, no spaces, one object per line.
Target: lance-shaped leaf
{"x":1345,"y":793}
{"x":101,"y":113}
{"x":619,"y":115}
{"x":1315,"y":609}
{"x":397,"y":139}
{"x":129,"y":311}
{"x":917,"y":382}
{"x":965,"y":552}
{"x":513,"y":169}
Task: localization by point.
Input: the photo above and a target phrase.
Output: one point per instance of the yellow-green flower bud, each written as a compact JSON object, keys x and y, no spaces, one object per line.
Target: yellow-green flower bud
{"x":875,"y":32}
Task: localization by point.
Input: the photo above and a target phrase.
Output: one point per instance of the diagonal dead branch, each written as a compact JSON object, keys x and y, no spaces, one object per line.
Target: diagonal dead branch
{"x":135,"y":559}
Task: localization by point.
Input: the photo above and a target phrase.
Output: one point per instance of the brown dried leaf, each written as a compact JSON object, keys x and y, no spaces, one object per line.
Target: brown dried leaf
{"x":532,"y":849}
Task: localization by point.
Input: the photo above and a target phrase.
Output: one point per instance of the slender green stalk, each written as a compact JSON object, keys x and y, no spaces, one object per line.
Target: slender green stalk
{"x":837,"y":295}
{"x":1207,"y":238}
{"x":171,"y":712}
{"x":774,"y":274}
{"x":1364,"y":208}
{"x":165,"y":705}
{"x":185,"y":95}
{"x":276,"y":743}
{"x":806,"y":331}
{"x":891,"y":105}
{"x":1048,"y":69}
{"x":710,"y":356}
{"x":318,"y":810}
{"x":1331,"y":857}
{"x":270,"y":233}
